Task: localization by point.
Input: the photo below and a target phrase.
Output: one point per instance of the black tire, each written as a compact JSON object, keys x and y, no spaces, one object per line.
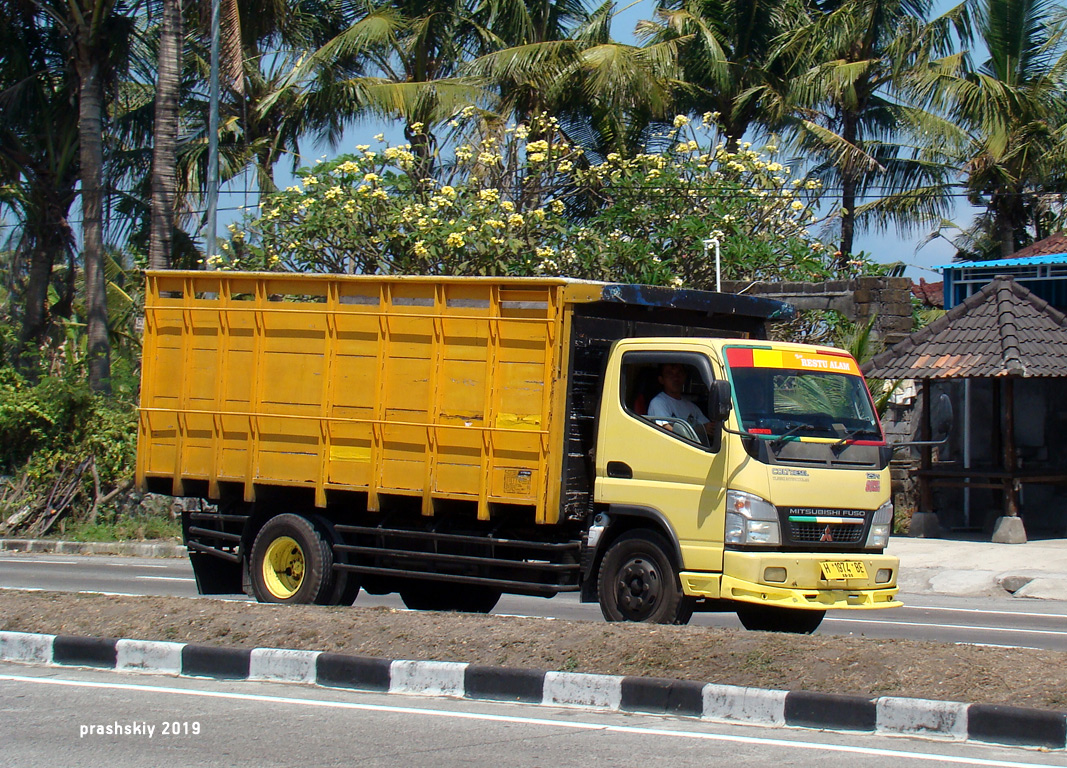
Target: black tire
{"x":470,"y":598}
{"x":291,"y":562}
{"x":424,"y":596}
{"x":428,"y":595}
{"x":639,"y":582}
{"x":770,"y":618}
{"x":343,"y":586}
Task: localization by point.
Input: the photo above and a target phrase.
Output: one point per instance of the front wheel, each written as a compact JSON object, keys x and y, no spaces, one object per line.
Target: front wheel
{"x":291,"y":562}
{"x":638,"y":582}
{"x":770,"y":618}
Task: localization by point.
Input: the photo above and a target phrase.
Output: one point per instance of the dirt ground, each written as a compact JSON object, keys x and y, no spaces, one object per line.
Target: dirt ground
{"x":853,"y":665}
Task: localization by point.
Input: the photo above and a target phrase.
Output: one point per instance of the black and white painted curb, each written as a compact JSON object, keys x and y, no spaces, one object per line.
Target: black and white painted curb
{"x":126,"y":548}
{"x":890,"y":715}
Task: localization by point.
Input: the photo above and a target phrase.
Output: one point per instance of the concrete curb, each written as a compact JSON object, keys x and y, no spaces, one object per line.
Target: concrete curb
{"x":886,"y":715}
{"x":127,"y":548}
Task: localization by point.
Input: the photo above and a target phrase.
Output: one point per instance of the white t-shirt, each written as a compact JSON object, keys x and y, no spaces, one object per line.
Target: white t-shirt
{"x":665,"y":406}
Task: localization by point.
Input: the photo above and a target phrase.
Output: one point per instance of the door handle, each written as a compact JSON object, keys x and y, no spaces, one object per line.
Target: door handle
{"x":620,"y":469}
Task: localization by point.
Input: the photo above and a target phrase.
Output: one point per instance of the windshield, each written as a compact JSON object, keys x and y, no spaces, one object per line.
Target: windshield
{"x":806,"y":394}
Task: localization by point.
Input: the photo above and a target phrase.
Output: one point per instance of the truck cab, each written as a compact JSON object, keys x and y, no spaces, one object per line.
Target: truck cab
{"x":777,"y":506}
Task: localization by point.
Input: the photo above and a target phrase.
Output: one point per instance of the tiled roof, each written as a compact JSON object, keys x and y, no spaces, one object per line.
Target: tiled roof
{"x":1050,"y":246}
{"x":930,"y":294}
{"x":1003,"y":330}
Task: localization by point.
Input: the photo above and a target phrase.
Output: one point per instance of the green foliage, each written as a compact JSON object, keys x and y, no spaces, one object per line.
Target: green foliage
{"x":50,"y":422}
{"x":528,"y":202}
{"x":59,"y":421}
{"x":856,"y":338}
{"x":136,"y":527}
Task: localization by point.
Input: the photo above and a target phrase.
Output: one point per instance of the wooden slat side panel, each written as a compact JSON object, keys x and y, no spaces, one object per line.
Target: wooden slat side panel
{"x":438,"y":390}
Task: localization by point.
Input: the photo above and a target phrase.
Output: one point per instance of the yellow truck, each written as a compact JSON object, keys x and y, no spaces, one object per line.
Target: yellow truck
{"x":453,"y":439}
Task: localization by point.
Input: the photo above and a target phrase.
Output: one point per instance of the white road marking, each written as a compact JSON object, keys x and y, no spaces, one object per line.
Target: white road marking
{"x":165,"y":578}
{"x":986,"y":611}
{"x":950,"y":626}
{"x":135,"y":565}
{"x":22,"y":561}
{"x":7,"y":560}
{"x":644,"y":731}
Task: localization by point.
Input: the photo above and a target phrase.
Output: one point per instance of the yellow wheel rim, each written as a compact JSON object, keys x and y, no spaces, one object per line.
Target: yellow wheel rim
{"x":283,"y":567}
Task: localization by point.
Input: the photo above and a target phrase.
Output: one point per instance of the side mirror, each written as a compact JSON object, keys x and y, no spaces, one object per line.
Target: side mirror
{"x":720,"y":401}
{"x":941,"y":417}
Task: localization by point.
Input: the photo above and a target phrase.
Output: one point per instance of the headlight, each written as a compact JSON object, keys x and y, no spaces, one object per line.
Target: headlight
{"x":751,"y":520}
{"x":878,"y":538}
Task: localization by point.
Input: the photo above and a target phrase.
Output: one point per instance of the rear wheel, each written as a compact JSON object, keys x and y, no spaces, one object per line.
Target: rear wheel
{"x":343,"y":586}
{"x":638,"y":582}
{"x":770,"y":618}
{"x":291,"y":562}
{"x":425,"y":595}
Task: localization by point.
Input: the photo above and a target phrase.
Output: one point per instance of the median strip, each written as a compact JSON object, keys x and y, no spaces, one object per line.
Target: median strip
{"x":1016,"y":726}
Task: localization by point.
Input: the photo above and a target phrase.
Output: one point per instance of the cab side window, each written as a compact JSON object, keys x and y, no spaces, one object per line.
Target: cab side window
{"x":671,"y":395}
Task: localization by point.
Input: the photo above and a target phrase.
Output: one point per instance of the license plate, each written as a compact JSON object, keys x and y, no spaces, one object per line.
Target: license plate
{"x":843,"y":569}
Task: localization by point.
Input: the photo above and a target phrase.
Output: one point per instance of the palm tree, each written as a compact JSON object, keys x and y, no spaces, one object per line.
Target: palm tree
{"x":398,"y":59}
{"x":527,"y":46}
{"x":726,"y":57}
{"x":848,"y":106}
{"x":98,"y":31}
{"x":165,"y":146}
{"x":1012,"y":114}
{"x":607,"y":94}
{"x":38,"y":163}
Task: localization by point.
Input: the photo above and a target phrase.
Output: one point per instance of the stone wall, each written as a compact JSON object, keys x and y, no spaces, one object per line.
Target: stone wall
{"x":887,"y":298}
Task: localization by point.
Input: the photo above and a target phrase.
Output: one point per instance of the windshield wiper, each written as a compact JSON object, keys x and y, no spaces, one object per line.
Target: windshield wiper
{"x":779,"y":441}
{"x":851,"y":436}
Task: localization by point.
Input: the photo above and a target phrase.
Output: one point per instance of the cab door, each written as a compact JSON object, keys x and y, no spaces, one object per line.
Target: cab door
{"x":657,"y":468}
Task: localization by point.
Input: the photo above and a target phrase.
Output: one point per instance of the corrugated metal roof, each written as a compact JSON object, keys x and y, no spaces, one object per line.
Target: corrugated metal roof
{"x":1050,"y":250}
{"x":1026,"y":261}
{"x":1003,"y":330}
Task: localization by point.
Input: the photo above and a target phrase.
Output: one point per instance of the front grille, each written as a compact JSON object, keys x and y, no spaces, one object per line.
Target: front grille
{"x":842,"y":533}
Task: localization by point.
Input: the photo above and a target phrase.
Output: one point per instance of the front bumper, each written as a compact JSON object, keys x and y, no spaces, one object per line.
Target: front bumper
{"x":743,"y":580}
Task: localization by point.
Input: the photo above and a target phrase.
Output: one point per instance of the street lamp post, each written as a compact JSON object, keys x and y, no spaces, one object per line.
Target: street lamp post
{"x":718,"y":263}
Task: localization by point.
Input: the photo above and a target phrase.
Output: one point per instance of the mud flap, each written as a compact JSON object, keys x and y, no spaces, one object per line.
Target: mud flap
{"x":215,"y":576}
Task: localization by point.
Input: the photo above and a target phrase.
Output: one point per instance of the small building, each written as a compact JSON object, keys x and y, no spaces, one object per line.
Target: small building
{"x":999,"y":356}
{"x":1041,"y":267}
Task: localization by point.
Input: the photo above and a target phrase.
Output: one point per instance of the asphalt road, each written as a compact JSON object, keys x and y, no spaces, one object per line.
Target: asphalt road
{"x":84,"y":717}
{"x":1004,"y":621}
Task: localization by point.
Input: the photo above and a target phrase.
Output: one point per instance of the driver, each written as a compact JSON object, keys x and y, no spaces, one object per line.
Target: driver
{"x":670,"y":404}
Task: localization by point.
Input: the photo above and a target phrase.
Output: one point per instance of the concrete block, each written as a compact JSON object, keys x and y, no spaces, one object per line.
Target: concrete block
{"x":925,"y":525}
{"x":1013,"y":582}
{"x":428,"y":678}
{"x":1009,"y":530}
{"x":582,"y":690}
{"x":282,"y":665}
{"x":27,"y":647}
{"x":361,"y":672}
{"x":672,"y":697}
{"x":922,"y":717}
{"x":809,"y":709}
{"x":219,"y":663}
{"x":965,"y":582}
{"x":1051,"y":587}
{"x":749,"y":705}
{"x":149,"y":656}
{"x":1016,"y":725}
{"x":84,"y":651}
{"x":504,"y":683}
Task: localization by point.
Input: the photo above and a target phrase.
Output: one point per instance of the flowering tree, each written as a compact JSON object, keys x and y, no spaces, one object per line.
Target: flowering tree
{"x":512,"y":204}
